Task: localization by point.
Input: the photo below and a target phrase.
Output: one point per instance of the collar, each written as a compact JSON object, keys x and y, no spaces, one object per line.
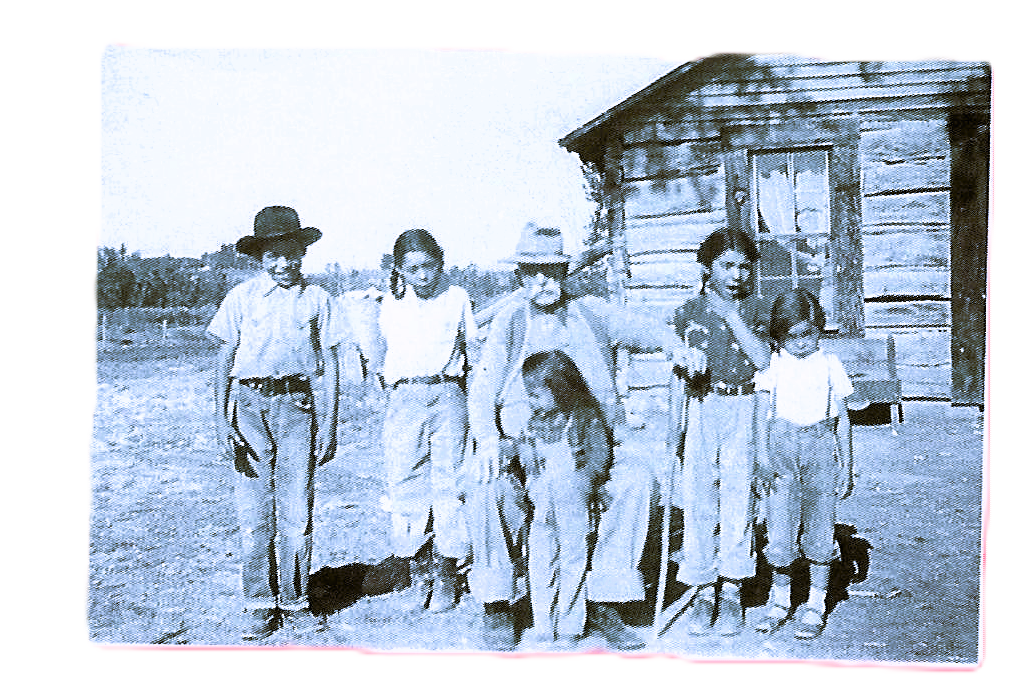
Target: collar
{"x":559,"y":312}
{"x":794,"y":359}
{"x":267,"y":284}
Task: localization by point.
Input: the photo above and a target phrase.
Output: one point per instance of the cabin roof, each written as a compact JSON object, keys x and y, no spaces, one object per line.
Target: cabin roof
{"x":725,"y":82}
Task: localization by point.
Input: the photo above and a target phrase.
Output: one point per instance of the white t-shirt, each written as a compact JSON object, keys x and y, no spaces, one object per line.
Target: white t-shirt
{"x":421,"y":334}
{"x":802,"y":386}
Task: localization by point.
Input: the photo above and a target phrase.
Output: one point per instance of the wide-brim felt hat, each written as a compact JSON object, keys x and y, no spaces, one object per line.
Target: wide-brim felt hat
{"x":539,"y":246}
{"x":274,"y":224}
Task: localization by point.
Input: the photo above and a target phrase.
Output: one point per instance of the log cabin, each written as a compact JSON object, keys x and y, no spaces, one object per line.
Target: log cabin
{"x":865,"y":182}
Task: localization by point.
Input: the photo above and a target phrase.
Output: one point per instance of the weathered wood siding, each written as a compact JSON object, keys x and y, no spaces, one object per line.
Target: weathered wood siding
{"x":906,"y":235}
{"x":676,"y":153}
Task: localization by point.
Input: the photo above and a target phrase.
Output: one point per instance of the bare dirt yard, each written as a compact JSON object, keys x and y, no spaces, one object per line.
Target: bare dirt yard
{"x":164,"y":544}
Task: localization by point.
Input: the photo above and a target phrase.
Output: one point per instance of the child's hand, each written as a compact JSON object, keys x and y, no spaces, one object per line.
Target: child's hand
{"x":722,"y":307}
{"x":228,"y":436}
{"x":691,"y":359}
{"x":484,"y":465}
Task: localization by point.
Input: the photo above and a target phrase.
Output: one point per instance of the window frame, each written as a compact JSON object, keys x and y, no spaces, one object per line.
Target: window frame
{"x":840,"y":137}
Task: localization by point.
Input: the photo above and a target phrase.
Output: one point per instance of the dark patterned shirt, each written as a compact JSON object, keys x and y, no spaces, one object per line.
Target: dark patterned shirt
{"x":696,"y":323}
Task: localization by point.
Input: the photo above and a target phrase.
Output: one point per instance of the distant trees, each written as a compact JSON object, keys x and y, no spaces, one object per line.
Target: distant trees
{"x":126,"y":280}
{"x":130,"y":281}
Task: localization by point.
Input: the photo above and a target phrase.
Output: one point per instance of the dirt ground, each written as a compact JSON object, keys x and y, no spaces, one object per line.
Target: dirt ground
{"x":164,"y":544}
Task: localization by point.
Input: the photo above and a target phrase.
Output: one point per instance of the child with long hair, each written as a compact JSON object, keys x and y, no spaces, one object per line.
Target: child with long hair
{"x":426,"y":323}
{"x":722,"y":332}
{"x":566,"y":453}
{"x":804,"y":456}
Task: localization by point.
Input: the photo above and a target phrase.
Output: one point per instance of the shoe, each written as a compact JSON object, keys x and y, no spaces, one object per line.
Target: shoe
{"x":730,"y":619}
{"x":566,"y":643}
{"x":699,"y":618}
{"x":810,"y":624}
{"x":443,"y":591}
{"x":607,"y":620}
{"x":497,"y":631}
{"x":773,"y":619}
{"x":262,"y":623}
{"x":300,"y":622}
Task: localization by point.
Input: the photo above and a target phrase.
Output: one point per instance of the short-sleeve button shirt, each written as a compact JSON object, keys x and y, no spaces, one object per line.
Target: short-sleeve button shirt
{"x":274,"y":329}
{"x":696,"y":323}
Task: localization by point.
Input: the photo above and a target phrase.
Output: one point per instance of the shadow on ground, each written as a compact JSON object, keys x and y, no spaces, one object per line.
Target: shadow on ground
{"x":332,"y":589}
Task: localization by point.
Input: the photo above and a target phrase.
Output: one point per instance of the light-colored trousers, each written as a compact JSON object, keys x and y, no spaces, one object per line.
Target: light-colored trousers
{"x":716,"y":490}
{"x":804,"y":497}
{"x":424,"y":435}
{"x":558,"y":544}
{"x":275,"y":499}
{"x":498,"y":515}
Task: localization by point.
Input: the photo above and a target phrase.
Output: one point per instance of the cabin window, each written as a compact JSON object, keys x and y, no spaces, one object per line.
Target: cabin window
{"x":792,"y":217}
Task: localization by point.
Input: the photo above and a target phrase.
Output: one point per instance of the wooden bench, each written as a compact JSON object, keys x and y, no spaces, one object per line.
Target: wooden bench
{"x":870,"y":364}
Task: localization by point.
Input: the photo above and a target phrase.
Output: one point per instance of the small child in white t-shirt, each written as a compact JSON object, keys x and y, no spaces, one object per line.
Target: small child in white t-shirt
{"x":804,"y":456}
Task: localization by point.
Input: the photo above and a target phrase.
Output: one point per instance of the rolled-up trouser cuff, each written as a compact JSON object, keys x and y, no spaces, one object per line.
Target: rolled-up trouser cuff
{"x":493,"y":584}
{"x":299,"y":605}
{"x":614,"y":586}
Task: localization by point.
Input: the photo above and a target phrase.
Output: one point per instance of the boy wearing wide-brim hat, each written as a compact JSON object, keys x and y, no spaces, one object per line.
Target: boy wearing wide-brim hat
{"x":276,"y":412}
{"x":588,"y":330}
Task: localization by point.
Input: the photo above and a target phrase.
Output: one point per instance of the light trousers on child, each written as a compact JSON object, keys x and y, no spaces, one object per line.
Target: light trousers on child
{"x":498,"y":513}
{"x":716,"y":494}
{"x":424,"y":434}
{"x":558,"y":543}
{"x":804,"y":496}
{"x":275,"y":500}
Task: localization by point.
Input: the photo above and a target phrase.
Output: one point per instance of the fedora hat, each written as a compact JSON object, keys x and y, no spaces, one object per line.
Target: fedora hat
{"x":539,"y":246}
{"x":272,"y":224}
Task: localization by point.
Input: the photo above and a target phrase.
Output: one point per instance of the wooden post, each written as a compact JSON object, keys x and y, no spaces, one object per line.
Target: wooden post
{"x":970,"y":144}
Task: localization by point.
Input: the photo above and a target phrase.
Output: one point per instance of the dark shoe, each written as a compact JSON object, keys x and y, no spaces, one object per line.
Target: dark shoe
{"x":699,"y":617}
{"x":300,"y":622}
{"x":262,"y":622}
{"x":497,"y":628}
{"x":607,"y":620}
{"x":443,"y":593}
{"x":730,"y":620}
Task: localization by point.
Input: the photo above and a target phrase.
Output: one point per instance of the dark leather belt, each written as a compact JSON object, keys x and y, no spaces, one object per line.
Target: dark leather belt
{"x":278,"y":386}
{"x":427,"y":380}
{"x":721,"y":388}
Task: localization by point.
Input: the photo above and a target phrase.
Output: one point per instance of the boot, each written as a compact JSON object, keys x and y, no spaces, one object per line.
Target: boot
{"x":420,"y":579}
{"x":497,"y":632}
{"x":606,"y":619}
{"x":443,"y":594}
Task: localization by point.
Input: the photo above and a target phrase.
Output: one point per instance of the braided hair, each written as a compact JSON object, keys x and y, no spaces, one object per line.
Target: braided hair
{"x":414,"y":240}
{"x":723,"y":240}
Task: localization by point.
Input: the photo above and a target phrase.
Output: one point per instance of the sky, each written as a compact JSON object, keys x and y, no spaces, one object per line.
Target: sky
{"x":364,"y":144}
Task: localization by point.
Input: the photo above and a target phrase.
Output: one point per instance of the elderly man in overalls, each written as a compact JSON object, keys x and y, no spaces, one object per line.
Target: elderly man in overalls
{"x":588,"y":330}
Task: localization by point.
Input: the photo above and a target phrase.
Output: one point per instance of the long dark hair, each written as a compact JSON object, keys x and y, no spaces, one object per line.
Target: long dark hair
{"x":791,"y":308}
{"x":558,"y":372}
{"x":722,"y":240}
{"x":414,"y":240}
